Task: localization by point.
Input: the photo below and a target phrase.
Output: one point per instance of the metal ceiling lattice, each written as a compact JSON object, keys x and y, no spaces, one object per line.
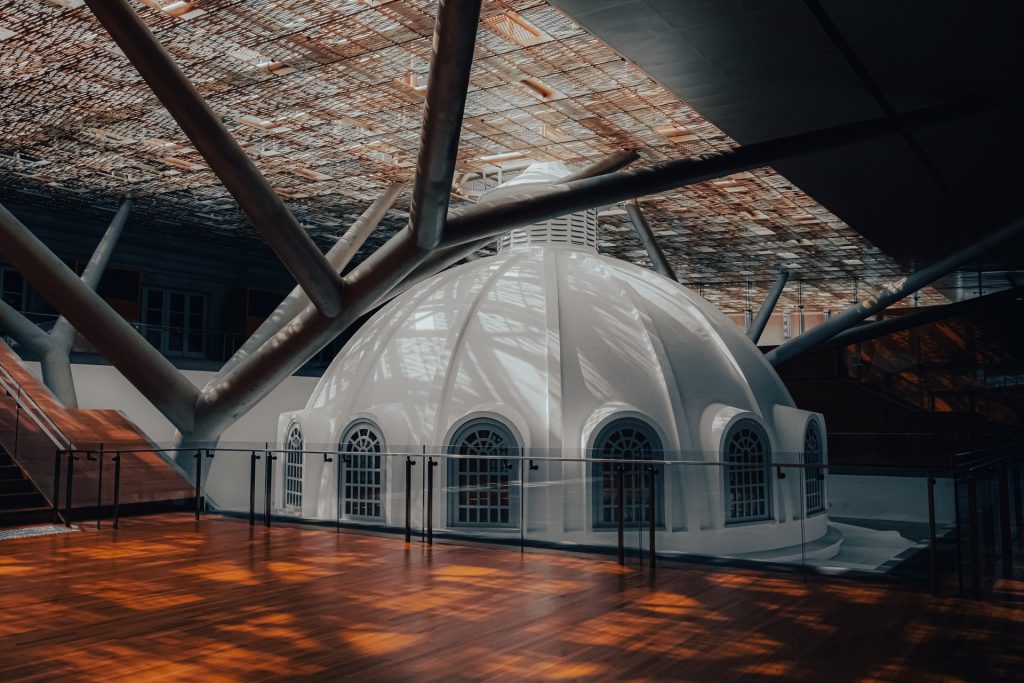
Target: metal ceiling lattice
{"x":327,"y":98}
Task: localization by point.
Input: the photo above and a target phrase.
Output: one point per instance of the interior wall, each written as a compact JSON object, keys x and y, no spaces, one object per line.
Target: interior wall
{"x":103,"y":387}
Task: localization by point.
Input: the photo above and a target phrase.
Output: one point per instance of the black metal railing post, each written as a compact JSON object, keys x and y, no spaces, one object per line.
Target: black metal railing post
{"x":620,"y":512}
{"x":1006,"y":535}
{"x":70,"y":487}
{"x":199,"y":479}
{"x":268,"y":504}
{"x":972,"y":514}
{"x":932,"y":536}
{"x":652,"y":507}
{"x":337,"y":491}
{"x":1018,"y":504}
{"x":56,"y":487}
{"x":431,"y":464}
{"x":409,"y":462}
{"x":99,"y":488}
{"x":252,"y":488}
{"x":210,"y":454}
{"x":117,"y":487}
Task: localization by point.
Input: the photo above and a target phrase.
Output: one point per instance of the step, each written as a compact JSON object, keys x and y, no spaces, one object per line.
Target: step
{"x":15,"y":486}
{"x":5,"y":459}
{"x":23,"y":516}
{"x":10,"y":472}
{"x":14,"y":501}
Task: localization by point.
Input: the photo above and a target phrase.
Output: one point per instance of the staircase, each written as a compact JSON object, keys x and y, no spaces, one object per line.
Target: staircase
{"x":35,"y":426}
{"x":20,"y":501}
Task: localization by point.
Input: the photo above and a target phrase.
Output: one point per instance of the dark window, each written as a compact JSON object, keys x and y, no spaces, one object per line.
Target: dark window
{"x":630,"y":440}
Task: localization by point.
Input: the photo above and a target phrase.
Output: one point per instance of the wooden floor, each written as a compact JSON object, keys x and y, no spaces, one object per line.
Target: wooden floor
{"x":165,"y":599}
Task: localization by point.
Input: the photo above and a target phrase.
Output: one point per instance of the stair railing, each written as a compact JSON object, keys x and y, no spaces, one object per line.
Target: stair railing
{"x":34,"y":410}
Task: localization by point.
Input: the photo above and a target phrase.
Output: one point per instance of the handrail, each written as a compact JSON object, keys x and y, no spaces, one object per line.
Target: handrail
{"x":34,"y":410}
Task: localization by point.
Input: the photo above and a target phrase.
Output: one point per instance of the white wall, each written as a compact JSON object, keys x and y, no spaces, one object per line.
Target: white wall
{"x":103,"y":387}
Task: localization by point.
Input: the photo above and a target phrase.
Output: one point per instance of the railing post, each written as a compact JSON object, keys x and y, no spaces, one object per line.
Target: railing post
{"x":56,"y":487}
{"x":117,"y":485}
{"x":932,"y":537}
{"x":972,"y":512}
{"x":337,"y":492}
{"x":1018,"y":504}
{"x":620,"y":522}
{"x":652,"y":507}
{"x":409,"y":462}
{"x":252,"y":488}
{"x":71,"y":479}
{"x":210,"y":454}
{"x":199,"y":480}
{"x":431,"y":464}
{"x":99,"y":489}
{"x":267,"y":503}
{"x":1004,"y":519}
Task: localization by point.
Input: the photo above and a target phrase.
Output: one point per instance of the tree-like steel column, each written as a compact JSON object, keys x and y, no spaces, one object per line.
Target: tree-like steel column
{"x":764,"y":313}
{"x":141,"y":364}
{"x":439,"y":259}
{"x":235,"y":392}
{"x":56,"y":363}
{"x":646,"y":235}
{"x":889,"y":295}
{"x":339,"y":256}
{"x":450,"y":64}
{"x":204,"y":128}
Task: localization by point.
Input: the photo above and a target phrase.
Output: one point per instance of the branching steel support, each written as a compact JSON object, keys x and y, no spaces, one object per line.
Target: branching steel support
{"x":444,"y":257}
{"x":23,"y":330}
{"x":760,"y":320}
{"x":450,"y":64}
{"x":868,"y":331}
{"x":142,"y":365}
{"x":339,"y":256}
{"x":613,"y":162}
{"x":204,"y":128}
{"x":889,"y":295}
{"x":490,"y":219}
{"x":237,"y":391}
{"x":646,"y":235}
{"x":56,"y":363}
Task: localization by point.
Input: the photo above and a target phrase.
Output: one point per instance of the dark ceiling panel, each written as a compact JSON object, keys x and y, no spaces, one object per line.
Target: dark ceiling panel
{"x":766,"y":68}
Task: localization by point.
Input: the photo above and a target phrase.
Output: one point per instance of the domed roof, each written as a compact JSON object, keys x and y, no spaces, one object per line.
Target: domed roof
{"x":551,"y":341}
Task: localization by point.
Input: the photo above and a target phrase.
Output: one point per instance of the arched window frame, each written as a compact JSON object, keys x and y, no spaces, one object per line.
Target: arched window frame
{"x":483,"y":492}
{"x":748,"y":483}
{"x":635,"y":505}
{"x":293,"y":467}
{"x":814,"y":454}
{"x":364,"y":472}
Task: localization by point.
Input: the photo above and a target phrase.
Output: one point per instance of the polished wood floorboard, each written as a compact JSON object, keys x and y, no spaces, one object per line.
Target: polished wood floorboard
{"x":166,"y":599}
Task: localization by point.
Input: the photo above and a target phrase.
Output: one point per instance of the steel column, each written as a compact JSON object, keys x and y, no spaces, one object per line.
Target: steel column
{"x":233,"y":393}
{"x":450,"y":64}
{"x":646,"y":235}
{"x":490,"y":219}
{"x":23,"y":330}
{"x":141,"y":364}
{"x":609,"y":164}
{"x":867,"y":331}
{"x":764,"y":313}
{"x":204,"y":128}
{"x":339,"y":256}
{"x":890,"y":295}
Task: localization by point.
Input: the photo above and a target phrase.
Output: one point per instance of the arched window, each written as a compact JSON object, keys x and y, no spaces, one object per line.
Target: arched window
{"x":293,"y":468}
{"x":481,"y":488}
{"x":814,"y":476}
{"x":747,"y":473}
{"x":625,"y":439}
{"x":361,"y":449}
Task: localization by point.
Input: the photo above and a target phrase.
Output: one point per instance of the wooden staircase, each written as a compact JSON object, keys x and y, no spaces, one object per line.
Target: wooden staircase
{"x":20,"y":501}
{"x":35,"y":426}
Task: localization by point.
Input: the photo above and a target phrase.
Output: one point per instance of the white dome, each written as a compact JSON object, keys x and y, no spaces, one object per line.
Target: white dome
{"x":553,"y":341}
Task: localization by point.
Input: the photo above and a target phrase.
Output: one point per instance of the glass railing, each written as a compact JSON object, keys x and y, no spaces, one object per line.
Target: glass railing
{"x":913,"y":525}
